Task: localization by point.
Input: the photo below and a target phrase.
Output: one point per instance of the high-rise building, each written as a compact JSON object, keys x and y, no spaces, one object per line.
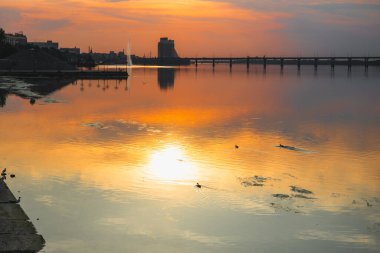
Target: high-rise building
{"x":166,"y":48}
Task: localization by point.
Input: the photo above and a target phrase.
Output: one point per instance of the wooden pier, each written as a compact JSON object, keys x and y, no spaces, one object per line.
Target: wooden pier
{"x":17,"y":233}
{"x":282,"y":61}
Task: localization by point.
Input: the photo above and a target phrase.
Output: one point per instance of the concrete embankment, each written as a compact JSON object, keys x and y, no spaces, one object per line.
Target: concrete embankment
{"x":17,"y":233}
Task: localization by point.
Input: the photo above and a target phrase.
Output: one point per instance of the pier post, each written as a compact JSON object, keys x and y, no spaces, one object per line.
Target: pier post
{"x":298,"y":63}
{"x":282,"y":63}
{"x":366,"y":63}
{"x":248,"y":60}
{"x":349,"y":63}
{"x":332,"y":62}
{"x":265,"y":63}
{"x":315,"y":64}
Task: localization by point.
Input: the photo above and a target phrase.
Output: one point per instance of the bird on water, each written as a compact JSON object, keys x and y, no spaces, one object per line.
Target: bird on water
{"x":198,"y":185}
{"x":15,"y":201}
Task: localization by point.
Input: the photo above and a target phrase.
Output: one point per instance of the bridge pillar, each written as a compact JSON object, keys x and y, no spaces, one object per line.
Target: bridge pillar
{"x":366,"y":63}
{"x":282,"y":63}
{"x":230,"y":63}
{"x":265,"y":62}
{"x":332,"y":62}
{"x":315,"y":63}
{"x":196,"y":62}
{"x":213,"y":63}
{"x":298,"y":63}
{"x":248,"y":61}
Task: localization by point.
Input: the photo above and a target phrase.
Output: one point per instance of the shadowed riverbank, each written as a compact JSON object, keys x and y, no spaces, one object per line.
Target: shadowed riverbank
{"x":17,"y":232}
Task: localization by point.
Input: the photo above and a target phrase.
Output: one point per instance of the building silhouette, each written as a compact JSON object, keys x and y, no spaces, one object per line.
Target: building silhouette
{"x":166,"y":48}
{"x":48,"y":44}
{"x":16,"y":39}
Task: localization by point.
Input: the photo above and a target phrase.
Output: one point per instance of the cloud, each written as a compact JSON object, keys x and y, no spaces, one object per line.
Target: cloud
{"x":8,"y":17}
{"x":50,"y":24}
{"x":206,"y":27}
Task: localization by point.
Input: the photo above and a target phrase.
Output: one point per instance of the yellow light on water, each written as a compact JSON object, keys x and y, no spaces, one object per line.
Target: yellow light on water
{"x":171,"y":164}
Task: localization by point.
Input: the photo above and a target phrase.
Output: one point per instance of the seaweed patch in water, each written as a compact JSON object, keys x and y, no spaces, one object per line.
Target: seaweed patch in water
{"x":300,"y":190}
{"x":95,"y":125}
{"x":250,"y":183}
{"x":254,"y":181}
{"x":281,"y":196}
{"x":302,"y":196}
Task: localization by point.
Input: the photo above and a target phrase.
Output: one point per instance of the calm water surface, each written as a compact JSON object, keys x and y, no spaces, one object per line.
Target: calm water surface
{"x":110,"y":166}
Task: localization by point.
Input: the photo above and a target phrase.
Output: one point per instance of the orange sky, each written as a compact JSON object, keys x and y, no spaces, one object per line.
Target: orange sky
{"x":201,"y":28}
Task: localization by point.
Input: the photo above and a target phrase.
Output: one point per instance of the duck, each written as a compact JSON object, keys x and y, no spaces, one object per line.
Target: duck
{"x":15,"y":201}
{"x":198,"y":185}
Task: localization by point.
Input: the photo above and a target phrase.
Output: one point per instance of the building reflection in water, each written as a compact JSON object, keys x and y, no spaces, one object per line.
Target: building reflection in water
{"x":165,"y":78}
{"x":31,"y":88}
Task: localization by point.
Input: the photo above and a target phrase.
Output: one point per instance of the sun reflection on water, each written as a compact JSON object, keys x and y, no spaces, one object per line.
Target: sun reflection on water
{"x":171,"y":164}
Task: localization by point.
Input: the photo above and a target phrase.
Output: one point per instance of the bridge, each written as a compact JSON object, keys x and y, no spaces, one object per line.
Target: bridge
{"x":349,"y":61}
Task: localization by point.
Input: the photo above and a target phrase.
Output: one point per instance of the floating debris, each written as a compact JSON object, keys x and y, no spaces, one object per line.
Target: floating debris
{"x":236,"y":146}
{"x":250,"y":183}
{"x":260,"y":178}
{"x":300,"y":190}
{"x":281,"y":196}
{"x":254,"y":181}
{"x":13,"y":175}
{"x":279,"y":207}
{"x":302,"y":196}
{"x":95,"y":125}
{"x":287,"y":147}
{"x":295,"y":149}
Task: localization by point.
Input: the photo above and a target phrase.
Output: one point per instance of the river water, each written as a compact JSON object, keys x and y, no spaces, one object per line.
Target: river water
{"x":111,"y":166}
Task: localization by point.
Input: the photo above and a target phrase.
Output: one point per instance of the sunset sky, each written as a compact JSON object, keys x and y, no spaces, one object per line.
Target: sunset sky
{"x":200,"y":27}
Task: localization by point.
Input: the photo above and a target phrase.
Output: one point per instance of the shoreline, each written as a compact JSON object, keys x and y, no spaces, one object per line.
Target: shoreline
{"x":17,"y":232}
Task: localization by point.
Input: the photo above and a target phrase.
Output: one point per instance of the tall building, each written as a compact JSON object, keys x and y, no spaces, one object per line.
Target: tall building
{"x":166,"y":48}
{"x":16,"y":39}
